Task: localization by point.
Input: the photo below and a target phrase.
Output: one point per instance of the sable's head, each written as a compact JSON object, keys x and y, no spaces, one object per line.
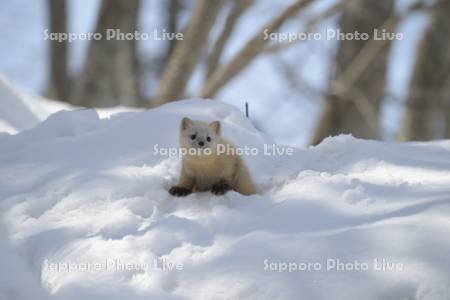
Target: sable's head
{"x":199,"y":135}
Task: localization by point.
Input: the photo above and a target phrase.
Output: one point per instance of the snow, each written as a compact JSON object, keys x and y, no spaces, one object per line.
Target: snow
{"x":20,"y":111}
{"x":15,"y":275}
{"x":83,"y":196}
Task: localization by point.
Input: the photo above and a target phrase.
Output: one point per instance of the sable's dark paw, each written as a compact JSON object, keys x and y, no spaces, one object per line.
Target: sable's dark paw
{"x":179,"y":191}
{"x":220,"y":188}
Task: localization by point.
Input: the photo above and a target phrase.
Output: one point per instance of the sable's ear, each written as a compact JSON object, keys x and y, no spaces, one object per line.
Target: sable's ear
{"x":215,"y":127}
{"x":186,"y":123}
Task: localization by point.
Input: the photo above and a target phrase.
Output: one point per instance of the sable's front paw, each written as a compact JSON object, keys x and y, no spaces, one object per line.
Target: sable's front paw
{"x":220,"y":188}
{"x":179,"y":191}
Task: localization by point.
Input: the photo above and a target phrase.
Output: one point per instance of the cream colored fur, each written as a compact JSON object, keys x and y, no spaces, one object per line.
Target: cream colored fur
{"x":202,"y":172}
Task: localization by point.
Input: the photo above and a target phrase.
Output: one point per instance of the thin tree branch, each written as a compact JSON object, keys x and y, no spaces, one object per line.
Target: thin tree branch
{"x":249,"y":52}
{"x":239,"y":7}
{"x":187,"y":52}
{"x":346,"y":82}
{"x":309,"y":27}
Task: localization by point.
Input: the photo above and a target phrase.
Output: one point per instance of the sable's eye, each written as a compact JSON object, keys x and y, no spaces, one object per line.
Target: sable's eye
{"x":208,"y":139}
{"x":193,"y":137}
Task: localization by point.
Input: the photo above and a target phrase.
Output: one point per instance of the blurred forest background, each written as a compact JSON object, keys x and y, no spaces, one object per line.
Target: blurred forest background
{"x":299,"y":92}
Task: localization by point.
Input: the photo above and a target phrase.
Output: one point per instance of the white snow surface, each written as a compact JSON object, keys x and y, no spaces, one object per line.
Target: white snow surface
{"x":20,"y":111}
{"x":90,"y":192}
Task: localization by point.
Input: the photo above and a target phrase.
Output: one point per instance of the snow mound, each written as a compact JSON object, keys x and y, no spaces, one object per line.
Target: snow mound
{"x":15,"y":275}
{"x":20,"y":111}
{"x":86,"y":207}
{"x":14,"y":112}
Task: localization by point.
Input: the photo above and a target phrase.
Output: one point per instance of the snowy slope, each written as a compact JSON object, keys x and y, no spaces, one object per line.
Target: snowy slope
{"x":90,"y":195}
{"x":15,"y":275}
{"x":20,"y":111}
{"x":15,"y":114}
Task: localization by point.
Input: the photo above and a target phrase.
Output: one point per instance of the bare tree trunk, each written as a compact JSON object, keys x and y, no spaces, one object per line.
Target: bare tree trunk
{"x":59,"y":76}
{"x":239,"y":7}
{"x":447,"y":123}
{"x":428,"y":101}
{"x":446,"y":106}
{"x":172,"y":22}
{"x":249,"y":52}
{"x":109,"y":74}
{"x":355,"y":108}
{"x":187,"y":52}
{"x":172,"y":11}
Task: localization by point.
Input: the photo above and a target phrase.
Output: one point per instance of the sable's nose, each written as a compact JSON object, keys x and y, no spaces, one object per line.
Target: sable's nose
{"x":201,"y":144}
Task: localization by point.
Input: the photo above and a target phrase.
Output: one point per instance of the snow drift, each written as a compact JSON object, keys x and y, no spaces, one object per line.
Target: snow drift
{"x":86,"y":209}
{"x":18,"y":111}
